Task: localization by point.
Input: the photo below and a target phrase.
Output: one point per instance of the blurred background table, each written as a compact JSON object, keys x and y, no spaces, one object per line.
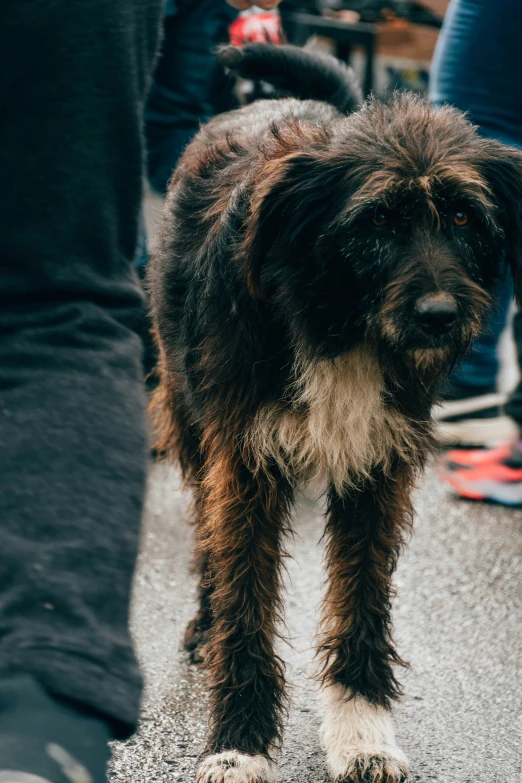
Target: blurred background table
{"x":390,"y":44}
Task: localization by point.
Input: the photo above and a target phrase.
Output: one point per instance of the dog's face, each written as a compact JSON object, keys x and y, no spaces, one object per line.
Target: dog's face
{"x":395,"y":225}
{"x":425,"y":247}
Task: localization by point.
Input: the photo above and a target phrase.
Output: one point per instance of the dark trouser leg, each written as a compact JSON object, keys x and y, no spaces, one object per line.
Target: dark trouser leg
{"x":73,"y":439}
{"x":180,"y":97}
{"x":244,"y":519}
{"x":513,"y":406}
{"x":477,"y":373}
{"x":461,"y":75}
{"x":73,"y":456}
{"x":364,"y":533}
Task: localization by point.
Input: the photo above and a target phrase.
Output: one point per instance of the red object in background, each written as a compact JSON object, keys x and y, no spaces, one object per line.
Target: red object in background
{"x":256,"y":28}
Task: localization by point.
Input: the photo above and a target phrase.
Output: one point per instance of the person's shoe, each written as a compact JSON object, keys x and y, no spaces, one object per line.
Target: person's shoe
{"x":455,"y":459}
{"x":46,"y":740}
{"x":490,"y":474}
{"x":474,"y":421}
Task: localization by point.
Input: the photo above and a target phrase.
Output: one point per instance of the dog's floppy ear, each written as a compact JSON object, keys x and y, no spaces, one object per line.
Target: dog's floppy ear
{"x":503,"y":171}
{"x":291,"y":198}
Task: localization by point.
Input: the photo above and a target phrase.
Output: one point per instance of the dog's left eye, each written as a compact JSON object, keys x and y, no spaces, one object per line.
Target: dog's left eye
{"x":461,"y":218}
{"x":380,"y":218}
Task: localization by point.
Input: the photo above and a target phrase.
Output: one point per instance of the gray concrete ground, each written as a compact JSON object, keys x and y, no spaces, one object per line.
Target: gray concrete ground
{"x":458,"y":621}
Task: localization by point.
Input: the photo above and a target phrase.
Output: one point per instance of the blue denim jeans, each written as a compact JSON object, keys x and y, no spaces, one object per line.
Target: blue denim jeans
{"x":476,"y":68}
{"x":180,"y":97}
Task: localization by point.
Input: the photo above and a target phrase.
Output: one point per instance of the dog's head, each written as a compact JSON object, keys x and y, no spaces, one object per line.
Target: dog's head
{"x":393,"y":224}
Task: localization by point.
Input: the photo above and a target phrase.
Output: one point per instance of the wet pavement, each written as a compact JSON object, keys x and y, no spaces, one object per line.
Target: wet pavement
{"x":458,"y":620}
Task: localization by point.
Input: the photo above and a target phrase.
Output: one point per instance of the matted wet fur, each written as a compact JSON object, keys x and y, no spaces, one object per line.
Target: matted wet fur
{"x":320,"y":267}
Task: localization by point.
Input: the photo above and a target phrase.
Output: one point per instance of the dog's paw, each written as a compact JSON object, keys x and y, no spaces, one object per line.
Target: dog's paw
{"x":353,"y":766}
{"x":196,"y":640}
{"x":231,"y":766}
{"x":359,"y":740}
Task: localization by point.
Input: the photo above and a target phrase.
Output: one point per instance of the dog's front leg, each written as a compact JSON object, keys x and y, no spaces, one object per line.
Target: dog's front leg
{"x":244,"y":519}
{"x":364,"y":533}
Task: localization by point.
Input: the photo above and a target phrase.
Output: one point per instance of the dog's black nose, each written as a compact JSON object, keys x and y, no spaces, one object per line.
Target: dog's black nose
{"x":436,"y":314}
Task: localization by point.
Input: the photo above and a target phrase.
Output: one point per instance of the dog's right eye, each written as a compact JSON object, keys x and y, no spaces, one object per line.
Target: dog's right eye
{"x":461,"y":218}
{"x":380,"y":218}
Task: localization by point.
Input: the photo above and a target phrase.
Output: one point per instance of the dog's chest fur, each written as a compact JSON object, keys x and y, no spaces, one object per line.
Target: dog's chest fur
{"x":338,"y":427}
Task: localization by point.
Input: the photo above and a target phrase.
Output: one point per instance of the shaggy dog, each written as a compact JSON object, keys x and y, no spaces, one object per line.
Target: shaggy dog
{"x":320,"y":266}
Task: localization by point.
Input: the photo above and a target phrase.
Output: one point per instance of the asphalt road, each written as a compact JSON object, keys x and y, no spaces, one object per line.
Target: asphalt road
{"x":458,"y":620}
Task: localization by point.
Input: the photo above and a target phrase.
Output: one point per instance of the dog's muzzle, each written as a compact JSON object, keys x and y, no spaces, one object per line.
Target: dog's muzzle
{"x":436,"y":314}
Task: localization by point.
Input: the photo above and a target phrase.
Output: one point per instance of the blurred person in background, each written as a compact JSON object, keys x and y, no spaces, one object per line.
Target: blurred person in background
{"x":73,"y":432}
{"x":181,"y":95}
{"x":188,"y":86}
{"x":179,"y":100}
{"x":476,"y":69}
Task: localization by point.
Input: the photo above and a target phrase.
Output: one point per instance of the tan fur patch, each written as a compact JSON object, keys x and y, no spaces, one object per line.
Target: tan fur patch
{"x":337,"y":426}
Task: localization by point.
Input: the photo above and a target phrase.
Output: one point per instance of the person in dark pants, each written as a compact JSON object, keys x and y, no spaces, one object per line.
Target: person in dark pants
{"x":180,"y":97}
{"x":73,"y":438}
{"x":476,"y":68}
{"x":73,"y":442}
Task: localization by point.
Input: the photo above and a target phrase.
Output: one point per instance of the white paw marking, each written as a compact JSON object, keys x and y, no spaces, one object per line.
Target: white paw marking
{"x":359,"y":740}
{"x":231,"y":766}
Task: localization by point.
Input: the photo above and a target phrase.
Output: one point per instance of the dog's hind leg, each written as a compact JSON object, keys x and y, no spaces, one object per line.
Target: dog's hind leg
{"x":364,"y":533}
{"x":179,"y":440}
{"x":197,"y":632}
{"x":244,"y":519}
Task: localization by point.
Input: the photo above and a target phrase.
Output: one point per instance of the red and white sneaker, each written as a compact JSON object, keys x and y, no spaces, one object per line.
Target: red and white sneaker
{"x":489,"y":474}
{"x":455,"y":459}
